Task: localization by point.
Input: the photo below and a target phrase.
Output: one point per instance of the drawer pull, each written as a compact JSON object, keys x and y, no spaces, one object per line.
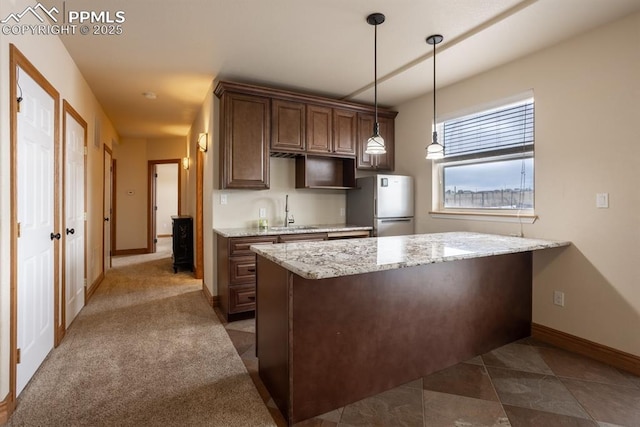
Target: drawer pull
{"x":252,"y":297}
{"x":251,"y":270}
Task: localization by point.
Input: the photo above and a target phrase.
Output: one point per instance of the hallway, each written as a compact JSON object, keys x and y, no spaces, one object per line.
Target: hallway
{"x":146,"y":350}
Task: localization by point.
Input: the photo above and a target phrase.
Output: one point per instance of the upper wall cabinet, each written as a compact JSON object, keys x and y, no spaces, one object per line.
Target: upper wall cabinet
{"x":288,"y":126}
{"x":345,"y":131}
{"x":256,"y":122}
{"x":331,"y":130}
{"x":245,"y":124}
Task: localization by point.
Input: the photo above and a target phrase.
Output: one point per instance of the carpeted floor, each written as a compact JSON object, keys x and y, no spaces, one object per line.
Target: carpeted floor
{"x":146,"y":350}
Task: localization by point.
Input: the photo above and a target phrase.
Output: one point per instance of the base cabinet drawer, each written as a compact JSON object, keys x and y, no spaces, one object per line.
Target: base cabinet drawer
{"x":242,"y":298}
{"x":241,"y":246}
{"x":237,"y":273}
{"x":242,"y":269}
{"x":306,"y":237}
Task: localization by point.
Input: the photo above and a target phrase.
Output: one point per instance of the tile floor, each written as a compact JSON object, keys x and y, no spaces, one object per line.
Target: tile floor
{"x":528,"y":383}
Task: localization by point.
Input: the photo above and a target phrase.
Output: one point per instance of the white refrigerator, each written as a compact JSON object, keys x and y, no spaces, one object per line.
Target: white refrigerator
{"x":384,"y":202}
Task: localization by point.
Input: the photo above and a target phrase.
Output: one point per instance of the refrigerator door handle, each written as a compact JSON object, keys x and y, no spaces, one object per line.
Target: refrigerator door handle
{"x":375,"y":207}
{"x":396,"y":220}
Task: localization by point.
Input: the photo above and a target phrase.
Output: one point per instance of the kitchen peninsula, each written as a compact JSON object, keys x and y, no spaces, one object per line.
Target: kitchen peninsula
{"x":338,"y":321}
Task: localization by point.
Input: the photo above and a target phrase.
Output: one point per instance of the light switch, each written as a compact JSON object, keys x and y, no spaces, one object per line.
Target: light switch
{"x":223,"y":199}
{"x":602,"y":200}
{"x":262,"y":213}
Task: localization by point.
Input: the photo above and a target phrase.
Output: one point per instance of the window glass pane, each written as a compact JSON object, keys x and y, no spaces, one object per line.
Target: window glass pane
{"x":502,"y":184}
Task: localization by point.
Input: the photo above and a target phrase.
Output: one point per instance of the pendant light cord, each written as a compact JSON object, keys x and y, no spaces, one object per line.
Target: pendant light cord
{"x":434,"y":89}
{"x":375,"y":68}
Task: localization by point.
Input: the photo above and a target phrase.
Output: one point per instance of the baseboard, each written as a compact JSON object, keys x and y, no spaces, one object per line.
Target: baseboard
{"x":211,"y":300}
{"x":6,"y":408}
{"x":93,"y":287}
{"x":611,"y":356}
{"x":138,"y":251}
{"x":62,"y":331}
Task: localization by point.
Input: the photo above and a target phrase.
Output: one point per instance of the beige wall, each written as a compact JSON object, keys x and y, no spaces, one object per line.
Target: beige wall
{"x":132,"y":156}
{"x":50,"y":57}
{"x":587,"y":112}
{"x":204,"y":122}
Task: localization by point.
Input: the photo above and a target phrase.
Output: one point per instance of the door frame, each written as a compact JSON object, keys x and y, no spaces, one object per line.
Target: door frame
{"x":68,"y":109}
{"x":112,"y":226}
{"x":17,"y":59}
{"x":151,"y":197}
{"x":199,"y":261}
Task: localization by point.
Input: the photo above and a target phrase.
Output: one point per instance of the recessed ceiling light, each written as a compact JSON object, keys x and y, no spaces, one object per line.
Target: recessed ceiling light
{"x":149,"y":95}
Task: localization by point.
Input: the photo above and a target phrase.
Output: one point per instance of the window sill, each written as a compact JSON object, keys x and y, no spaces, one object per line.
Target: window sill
{"x":486,"y":216}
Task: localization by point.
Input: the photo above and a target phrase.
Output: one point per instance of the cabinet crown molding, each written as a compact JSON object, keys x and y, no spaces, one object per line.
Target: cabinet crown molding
{"x":273,"y":93}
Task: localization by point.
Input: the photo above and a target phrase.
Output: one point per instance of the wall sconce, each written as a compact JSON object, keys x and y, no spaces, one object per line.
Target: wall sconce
{"x":203,"y":142}
{"x":185,"y":163}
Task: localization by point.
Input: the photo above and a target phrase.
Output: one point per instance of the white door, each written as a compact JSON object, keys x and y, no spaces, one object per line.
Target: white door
{"x":36,"y":244}
{"x":108,"y":173}
{"x":74,"y":267}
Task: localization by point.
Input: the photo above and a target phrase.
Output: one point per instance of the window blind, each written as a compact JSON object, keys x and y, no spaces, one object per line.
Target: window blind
{"x":503,"y":128}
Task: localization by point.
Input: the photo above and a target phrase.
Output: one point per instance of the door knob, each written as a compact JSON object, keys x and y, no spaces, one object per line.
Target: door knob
{"x":70,"y":231}
{"x":55,"y":236}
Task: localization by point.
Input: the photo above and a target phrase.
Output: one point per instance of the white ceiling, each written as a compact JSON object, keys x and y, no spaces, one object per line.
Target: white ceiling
{"x":176,"y":48}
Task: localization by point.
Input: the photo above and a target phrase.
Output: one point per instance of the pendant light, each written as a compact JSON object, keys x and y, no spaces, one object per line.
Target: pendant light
{"x":434,"y":150}
{"x":375,"y":144}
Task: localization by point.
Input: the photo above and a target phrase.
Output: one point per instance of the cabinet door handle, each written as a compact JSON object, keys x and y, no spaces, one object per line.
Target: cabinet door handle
{"x":70,"y":231}
{"x":55,"y":236}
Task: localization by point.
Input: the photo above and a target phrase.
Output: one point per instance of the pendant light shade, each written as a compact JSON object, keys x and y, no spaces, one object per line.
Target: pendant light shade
{"x":435,"y":150}
{"x":375,"y":144}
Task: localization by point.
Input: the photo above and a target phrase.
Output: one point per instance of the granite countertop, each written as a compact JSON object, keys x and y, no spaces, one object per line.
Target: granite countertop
{"x":321,"y":260}
{"x":292,"y":229}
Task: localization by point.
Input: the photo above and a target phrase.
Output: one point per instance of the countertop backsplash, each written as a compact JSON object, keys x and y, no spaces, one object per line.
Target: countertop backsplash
{"x":308,"y":206}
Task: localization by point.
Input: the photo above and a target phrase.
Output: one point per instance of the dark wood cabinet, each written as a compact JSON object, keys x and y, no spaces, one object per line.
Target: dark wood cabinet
{"x":258,"y":122}
{"x":182,"y":232}
{"x":387,"y":131}
{"x":319,"y":129}
{"x":245,"y":123}
{"x":237,"y":273}
{"x":306,"y":237}
{"x":331,"y":130}
{"x":345,"y":133}
{"x":318,"y":171}
{"x":288,"y":126}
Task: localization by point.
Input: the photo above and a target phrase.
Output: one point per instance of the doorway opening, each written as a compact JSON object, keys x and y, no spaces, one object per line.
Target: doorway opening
{"x":164,"y":196}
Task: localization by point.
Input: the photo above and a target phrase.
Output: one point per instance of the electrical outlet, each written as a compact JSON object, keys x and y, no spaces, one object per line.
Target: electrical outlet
{"x":223,"y":199}
{"x":558,"y":298}
{"x":262,"y":213}
{"x":341,"y":211}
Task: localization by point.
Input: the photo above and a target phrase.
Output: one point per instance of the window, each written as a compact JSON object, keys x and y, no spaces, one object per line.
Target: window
{"x":488,"y":162}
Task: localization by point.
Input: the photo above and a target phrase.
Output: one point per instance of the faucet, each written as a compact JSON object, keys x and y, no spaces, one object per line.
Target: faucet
{"x":287,"y":220}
